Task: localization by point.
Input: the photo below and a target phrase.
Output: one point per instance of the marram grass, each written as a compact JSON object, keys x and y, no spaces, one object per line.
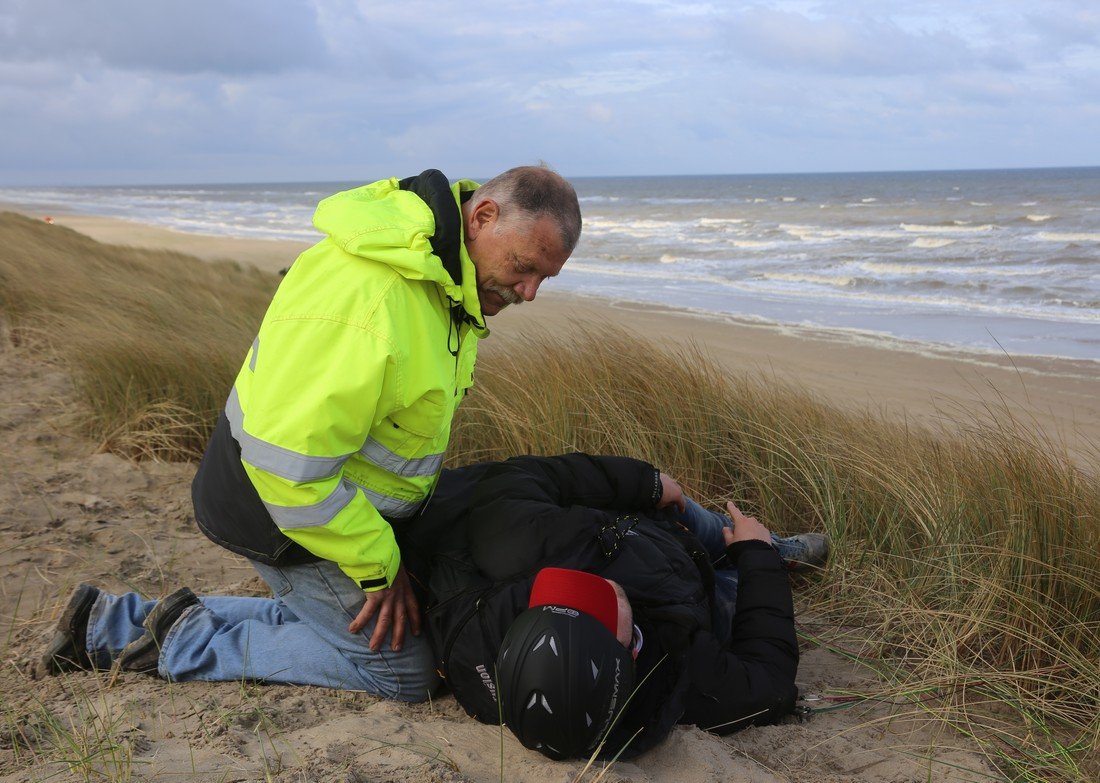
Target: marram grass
{"x":153,"y":338}
{"x":966,"y":567}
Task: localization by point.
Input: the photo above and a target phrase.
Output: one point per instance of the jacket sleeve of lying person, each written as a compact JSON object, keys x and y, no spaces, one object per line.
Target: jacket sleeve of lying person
{"x":598,"y":514}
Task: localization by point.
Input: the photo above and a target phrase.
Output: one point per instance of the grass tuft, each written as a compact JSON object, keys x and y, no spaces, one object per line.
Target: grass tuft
{"x":153,"y":338}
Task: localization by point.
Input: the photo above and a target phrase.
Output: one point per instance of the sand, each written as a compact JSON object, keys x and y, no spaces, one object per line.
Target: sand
{"x":74,"y":515}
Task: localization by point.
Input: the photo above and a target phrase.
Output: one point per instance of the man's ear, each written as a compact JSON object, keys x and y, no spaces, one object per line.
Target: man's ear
{"x":484,"y":215}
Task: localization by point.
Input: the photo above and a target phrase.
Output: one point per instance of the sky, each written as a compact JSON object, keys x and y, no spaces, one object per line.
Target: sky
{"x":160,"y":92}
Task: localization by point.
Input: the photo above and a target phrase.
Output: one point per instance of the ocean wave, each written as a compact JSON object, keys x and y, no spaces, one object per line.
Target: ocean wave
{"x":901,"y":268}
{"x":796,"y":277}
{"x":720,"y":221}
{"x":635,"y":272}
{"x":931,"y":243}
{"x":851,"y":295}
{"x":823,"y":234}
{"x":1038,"y":218}
{"x":750,"y":244}
{"x":1081,"y":236}
{"x":954,"y":228}
{"x":858,"y":296}
{"x":675,"y":200}
{"x":638,"y":229}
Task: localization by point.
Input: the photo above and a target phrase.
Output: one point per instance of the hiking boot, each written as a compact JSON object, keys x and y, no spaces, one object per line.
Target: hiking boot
{"x":143,"y":654}
{"x":68,"y":650}
{"x":809,"y":550}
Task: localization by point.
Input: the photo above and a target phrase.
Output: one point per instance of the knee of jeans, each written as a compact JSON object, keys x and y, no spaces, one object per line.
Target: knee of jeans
{"x":409,"y":676}
{"x":414,"y":689}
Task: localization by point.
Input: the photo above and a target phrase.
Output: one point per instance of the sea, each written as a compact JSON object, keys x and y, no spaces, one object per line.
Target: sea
{"x":1000,"y":262}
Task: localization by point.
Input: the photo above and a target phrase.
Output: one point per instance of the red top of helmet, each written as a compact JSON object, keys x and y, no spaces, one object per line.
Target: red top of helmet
{"x":577,"y":590}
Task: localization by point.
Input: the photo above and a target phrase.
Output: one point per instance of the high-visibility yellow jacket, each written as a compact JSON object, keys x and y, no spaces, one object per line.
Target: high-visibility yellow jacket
{"x":342,"y":409}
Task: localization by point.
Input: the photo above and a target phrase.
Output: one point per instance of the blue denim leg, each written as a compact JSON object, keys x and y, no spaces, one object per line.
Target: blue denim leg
{"x":707,"y":526}
{"x":274,"y":645}
{"x":113,"y":622}
{"x":116,"y":620}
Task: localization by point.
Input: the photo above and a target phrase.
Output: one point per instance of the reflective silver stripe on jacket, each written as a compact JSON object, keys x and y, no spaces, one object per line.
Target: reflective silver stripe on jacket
{"x":377,"y":454}
{"x":255,"y":353}
{"x":389,"y":506}
{"x":292,"y":466}
{"x":281,"y":462}
{"x":290,"y":517}
{"x":318,"y":514}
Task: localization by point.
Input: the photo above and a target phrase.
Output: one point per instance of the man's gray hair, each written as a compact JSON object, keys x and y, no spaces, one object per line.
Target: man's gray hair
{"x":531,"y":192}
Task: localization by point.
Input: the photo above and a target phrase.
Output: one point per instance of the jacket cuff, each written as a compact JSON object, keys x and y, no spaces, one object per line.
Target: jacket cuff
{"x":374,"y":576}
{"x":737,"y":548}
{"x":658,"y":491}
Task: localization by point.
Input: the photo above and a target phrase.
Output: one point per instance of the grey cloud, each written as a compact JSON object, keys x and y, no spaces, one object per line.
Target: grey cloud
{"x":861,"y":45}
{"x":1070,"y":27}
{"x":345,"y":89}
{"x":221,"y":36}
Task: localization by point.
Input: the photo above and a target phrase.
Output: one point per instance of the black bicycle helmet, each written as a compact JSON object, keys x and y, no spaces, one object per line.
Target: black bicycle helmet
{"x":562,"y":678}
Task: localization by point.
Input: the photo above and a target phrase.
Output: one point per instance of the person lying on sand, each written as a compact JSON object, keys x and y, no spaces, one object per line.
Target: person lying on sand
{"x":591,"y":605}
{"x":695,"y":650}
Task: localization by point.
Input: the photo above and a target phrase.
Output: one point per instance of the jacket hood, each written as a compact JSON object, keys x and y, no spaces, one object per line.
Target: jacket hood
{"x":389,"y":224}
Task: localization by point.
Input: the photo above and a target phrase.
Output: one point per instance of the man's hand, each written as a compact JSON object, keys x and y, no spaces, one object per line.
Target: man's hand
{"x":671,"y":494}
{"x":744,"y":528}
{"x":393,"y":605}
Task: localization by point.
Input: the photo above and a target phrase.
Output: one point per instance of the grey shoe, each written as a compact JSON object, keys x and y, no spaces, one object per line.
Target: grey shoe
{"x":811,"y":550}
{"x":68,"y":651}
{"x":143,"y":654}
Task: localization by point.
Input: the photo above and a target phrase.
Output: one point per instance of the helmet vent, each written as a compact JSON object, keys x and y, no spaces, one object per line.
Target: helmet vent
{"x":538,"y":698}
{"x":543,"y":639}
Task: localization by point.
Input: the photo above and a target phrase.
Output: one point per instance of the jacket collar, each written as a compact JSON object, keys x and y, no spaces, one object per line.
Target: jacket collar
{"x":448,"y":241}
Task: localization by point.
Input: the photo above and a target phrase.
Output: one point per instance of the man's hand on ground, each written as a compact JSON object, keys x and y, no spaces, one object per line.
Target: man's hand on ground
{"x":393,"y":605}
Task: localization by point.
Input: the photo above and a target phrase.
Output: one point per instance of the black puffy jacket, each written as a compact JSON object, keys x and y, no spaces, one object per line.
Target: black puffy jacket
{"x":491,"y":527}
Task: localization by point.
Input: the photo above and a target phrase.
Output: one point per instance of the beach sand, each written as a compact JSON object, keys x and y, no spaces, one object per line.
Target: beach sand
{"x":74,"y":515}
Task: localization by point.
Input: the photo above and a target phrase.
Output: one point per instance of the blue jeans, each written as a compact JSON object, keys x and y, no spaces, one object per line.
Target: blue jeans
{"x":300,"y":637}
{"x":707,"y":526}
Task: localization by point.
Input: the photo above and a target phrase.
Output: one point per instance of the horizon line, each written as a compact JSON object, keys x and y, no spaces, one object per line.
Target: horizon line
{"x":838,"y":172}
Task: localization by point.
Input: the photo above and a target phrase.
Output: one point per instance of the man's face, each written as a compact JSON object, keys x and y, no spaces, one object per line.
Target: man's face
{"x":625,"y":627}
{"x":512,"y":260}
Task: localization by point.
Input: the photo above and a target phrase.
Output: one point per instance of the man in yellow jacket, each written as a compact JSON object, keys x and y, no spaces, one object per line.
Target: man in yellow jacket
{"x":334,"y":433}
